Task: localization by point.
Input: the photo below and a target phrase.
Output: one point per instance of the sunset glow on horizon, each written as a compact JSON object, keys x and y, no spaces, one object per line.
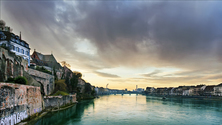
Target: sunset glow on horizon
{"x":126,"y":43}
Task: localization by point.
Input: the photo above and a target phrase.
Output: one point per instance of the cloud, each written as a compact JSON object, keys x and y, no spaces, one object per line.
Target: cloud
{"x":106,"y":74}
{"x":152,"y":73}
{"x":183,"y":35}
{"x":184,"y":78}
{"x":160,"y":34}
{"x":129,"y":33}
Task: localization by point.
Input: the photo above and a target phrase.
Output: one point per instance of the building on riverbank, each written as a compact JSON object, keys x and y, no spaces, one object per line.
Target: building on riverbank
{"x":149,"y":90}
{"x":199,"y":90}
{"x":218,"y":90}
{"x":49,"y":62}
{"x":209,"y":90}
{"x":14,"y":42}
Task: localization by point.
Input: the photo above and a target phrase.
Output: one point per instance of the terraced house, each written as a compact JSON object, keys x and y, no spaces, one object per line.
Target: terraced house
{"x":14,"y":42}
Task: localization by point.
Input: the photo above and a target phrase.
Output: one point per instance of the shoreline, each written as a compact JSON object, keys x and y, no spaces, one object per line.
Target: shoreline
{"x":66,"y":107}
{"x":213,"y":98}
{"x":30,"y":121}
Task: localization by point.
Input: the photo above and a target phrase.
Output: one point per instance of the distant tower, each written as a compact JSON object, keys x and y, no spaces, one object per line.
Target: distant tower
{"x":136,"y":87}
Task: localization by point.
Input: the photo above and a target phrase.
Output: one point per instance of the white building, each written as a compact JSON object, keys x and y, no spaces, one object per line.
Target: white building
{"x":186,"y":92}
{"x":218,"y":90}
{"x":13,"y":42}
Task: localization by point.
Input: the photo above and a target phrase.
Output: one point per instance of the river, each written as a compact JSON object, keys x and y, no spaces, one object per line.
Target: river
{"x":137,"y":110}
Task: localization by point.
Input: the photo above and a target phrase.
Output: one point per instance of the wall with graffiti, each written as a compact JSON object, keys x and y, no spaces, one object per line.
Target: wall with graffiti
{"x":17,"y":102}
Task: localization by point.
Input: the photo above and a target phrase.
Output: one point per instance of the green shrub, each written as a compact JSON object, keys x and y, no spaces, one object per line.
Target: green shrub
{"x":21,"y":80}
{"x":42,"y":69}
{"x":60,"y":93}
{"x":60,"y":85}
{"x":10,"y":80}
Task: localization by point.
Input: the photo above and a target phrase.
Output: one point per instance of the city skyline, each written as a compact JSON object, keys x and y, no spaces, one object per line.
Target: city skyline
{"x":125,"y":43}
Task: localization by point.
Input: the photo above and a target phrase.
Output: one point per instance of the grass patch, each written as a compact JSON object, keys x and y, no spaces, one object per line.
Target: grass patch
{"x":58,"y":93}
{"x":60,"y":86}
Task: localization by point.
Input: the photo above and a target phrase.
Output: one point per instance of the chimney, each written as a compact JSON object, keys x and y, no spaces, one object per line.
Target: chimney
{"x":20,"y":36}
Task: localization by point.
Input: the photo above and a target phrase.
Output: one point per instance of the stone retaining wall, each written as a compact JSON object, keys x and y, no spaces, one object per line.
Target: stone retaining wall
{"x":45,"y":79}
{"x":58,"y":101}
{"x":17,"y":102}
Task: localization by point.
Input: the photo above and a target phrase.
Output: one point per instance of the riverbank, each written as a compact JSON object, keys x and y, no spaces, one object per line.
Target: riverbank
{"x":34,"y":118}
{"x":136,"y":110}
{"x":85,"y":97}
{"x":63,"y":107}
{"x":54,"y":108}
{"x":215,"y":98}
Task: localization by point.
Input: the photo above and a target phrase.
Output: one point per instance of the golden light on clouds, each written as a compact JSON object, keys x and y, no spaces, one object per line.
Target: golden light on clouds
{"x":154,"y":44}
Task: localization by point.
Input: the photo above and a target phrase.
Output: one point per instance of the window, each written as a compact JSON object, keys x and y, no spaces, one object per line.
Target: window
{"x":12,"y":47}
{"x":2,"y":35}
{"x":17,"y":49}
{"x":12,"y":39}
{"x":17,"y":41}
{"x":22,"y":51}
{"x":27,"y":53}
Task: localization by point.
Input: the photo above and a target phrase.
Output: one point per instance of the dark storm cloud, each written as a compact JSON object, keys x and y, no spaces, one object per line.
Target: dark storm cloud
{"x":37,"y":21}
{"x":182,"y":34}
{"x":126,"y":33}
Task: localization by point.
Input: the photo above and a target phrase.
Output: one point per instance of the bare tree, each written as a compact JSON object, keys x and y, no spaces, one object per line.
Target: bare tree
{"x":64,"y":63}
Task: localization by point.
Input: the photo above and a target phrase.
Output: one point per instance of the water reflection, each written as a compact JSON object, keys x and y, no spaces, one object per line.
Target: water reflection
{"x":187,"y":102}
{"x":58,"y":118}
{"x":81,"y":107}
{"x":139,"y":110}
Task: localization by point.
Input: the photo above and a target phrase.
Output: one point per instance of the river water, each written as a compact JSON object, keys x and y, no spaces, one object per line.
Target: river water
{"x":137,"y":110}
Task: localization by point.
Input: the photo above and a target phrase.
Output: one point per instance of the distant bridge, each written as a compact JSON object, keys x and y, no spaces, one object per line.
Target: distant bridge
{"x":119,"y":92}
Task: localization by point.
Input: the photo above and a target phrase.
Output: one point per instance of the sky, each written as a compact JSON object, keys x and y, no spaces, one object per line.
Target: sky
{"x":125,"y":43}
